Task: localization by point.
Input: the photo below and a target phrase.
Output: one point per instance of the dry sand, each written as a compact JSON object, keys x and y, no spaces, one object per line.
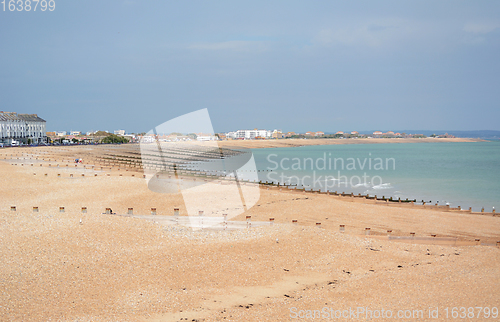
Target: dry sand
{"x":115,"y":268}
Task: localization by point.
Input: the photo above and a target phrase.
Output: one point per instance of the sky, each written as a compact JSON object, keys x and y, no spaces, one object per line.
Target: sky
{"x":290,"y":65}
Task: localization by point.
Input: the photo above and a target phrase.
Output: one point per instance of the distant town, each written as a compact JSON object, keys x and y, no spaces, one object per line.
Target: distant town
{"x":30,"y":129}
{"x":97,"y":136}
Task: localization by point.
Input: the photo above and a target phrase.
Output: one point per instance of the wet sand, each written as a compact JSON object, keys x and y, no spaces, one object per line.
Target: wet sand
{"x":91,"y":266}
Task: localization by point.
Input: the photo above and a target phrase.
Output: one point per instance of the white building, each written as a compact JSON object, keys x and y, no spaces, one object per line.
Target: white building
{"x":250,"y":134}
{"x":26,"y":128}
{"x":120,"y":132}
{"x":61,"y":133}
{"x":231,"y":135}
{"x":205,"y":137}
{"x":75,"y":133}
{"x":147,"y":139}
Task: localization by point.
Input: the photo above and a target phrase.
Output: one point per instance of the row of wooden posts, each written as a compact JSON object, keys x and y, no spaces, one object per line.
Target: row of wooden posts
{"x":131,"y":161}
{"x":248,"y":220}
{"x":83,"y":175}
{"x":107,"y":211}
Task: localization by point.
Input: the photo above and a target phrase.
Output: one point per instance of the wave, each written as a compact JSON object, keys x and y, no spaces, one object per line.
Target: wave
{"x":383,"y":186}
{"x":366,"y":185}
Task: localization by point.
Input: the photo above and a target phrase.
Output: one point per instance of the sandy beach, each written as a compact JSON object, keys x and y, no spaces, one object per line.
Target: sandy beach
{"x":92,"y":266}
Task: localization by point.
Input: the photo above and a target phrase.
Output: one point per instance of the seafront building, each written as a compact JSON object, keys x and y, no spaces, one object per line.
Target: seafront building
{"x":250,"y":134}
{"x":279,"y":134}
{"x":205,"y":137}
{"x":21,"y":128}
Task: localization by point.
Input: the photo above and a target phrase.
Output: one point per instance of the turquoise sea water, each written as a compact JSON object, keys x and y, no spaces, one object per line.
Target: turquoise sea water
{"x":461,"y":174}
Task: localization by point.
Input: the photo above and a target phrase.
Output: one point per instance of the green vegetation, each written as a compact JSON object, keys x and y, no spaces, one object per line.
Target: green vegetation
{"x":112,"y":138}
{"x":102,"y":133}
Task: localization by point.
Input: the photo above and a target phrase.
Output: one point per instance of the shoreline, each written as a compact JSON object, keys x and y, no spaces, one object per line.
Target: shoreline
{"x":287,"y":143}
{"x":51,"y":168}
{"x":66,"y":169}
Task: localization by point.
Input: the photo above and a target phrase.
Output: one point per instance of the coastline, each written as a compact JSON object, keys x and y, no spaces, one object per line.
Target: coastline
{"x":287,"y":143}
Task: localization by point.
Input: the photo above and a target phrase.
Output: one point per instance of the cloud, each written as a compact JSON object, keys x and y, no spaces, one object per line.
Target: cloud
{"x":235,"y":45}
{"x":481,"y":28}
{"x":373,"y":34}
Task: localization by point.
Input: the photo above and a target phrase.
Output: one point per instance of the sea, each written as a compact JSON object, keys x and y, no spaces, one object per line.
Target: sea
{"x":459,"y":174}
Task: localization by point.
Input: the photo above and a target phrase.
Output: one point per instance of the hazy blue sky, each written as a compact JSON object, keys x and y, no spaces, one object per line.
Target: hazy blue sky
{"x":291,"y":65}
